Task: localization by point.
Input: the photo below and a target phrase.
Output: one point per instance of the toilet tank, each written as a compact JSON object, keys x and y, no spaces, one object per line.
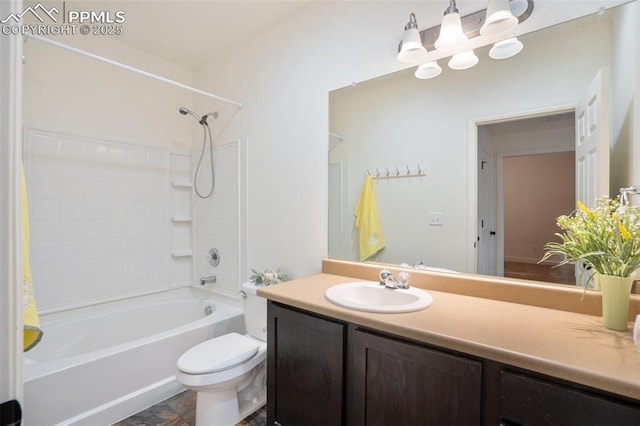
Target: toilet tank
{"x":255,"y":312}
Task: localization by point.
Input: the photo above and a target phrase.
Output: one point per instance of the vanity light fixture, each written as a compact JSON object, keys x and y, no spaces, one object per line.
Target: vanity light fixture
{"x":412,"y":49}
{"x":428,"y":70}
{"x":451,"y":35}
{"x":506,"y":48}
{"x":499,"y":18}
{"x":463,"y":60}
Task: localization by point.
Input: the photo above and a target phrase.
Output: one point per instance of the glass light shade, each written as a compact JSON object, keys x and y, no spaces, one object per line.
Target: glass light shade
{"x":499,"y":18}
{"x":463,"y":61}
{"x":412,"y":49}
{"x":451,"y":36}
{"x":506,"y":48}
{"x":428,"y":70}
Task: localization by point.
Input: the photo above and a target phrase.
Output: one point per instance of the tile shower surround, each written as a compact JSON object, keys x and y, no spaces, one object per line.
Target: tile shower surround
{"x":100,"y":218}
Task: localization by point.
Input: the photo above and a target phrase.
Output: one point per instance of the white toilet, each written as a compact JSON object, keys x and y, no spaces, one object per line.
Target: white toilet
{"x":229,"y":372}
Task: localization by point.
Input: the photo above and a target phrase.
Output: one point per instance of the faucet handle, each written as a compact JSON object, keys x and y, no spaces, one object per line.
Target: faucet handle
{"x":403,"y":280}
{"x":383,"y":276}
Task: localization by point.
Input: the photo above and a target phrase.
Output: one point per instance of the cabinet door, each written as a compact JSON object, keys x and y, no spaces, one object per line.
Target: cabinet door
{"x":529,"y":401}
{"x":390,"y":382}
{"x":304,"y":369}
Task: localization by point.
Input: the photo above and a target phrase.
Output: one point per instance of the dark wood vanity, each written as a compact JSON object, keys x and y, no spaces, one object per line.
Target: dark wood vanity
{"x":323,"y":371}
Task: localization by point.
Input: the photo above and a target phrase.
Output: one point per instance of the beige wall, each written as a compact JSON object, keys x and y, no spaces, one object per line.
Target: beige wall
{"x":537,"y":189}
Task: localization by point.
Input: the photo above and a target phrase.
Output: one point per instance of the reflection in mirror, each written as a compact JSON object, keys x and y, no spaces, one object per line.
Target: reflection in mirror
{"x":496,"y":144}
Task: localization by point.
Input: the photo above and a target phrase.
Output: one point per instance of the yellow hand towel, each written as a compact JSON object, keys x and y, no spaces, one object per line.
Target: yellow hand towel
{"x":368,"y":222}
{"x":32,"y":332}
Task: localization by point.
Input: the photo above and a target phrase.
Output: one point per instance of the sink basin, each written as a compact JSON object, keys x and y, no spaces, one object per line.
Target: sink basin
{"x":369,"y":296}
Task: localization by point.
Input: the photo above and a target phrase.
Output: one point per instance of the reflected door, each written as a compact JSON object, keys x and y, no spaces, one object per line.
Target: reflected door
{"x":592,"y":148}
{"x":486,"y":234}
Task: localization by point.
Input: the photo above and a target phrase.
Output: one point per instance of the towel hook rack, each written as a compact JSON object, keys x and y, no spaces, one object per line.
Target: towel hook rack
{"x":390,"y":173}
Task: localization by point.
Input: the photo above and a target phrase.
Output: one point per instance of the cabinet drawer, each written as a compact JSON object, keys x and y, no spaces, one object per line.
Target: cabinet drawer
{"x":529,"y":401}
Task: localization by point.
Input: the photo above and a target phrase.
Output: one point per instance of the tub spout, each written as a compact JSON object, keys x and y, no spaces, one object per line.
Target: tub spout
{"x":207,"y":280}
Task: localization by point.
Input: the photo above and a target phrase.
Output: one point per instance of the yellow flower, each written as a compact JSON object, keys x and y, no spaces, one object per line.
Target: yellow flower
{"x":624,"y":233}
{"x":585,"y":210}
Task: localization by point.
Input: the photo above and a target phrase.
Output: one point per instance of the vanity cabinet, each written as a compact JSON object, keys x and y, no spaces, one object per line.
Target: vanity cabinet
{"x":314,"y":378}
{"x":323,"y":371}
{"x":392,"y":382}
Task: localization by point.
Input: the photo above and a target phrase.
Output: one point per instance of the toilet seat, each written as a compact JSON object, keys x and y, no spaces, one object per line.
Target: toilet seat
{"x":218,"y":354}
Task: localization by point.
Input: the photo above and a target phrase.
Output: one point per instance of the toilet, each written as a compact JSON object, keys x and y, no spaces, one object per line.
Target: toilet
{"x":229,"y":372}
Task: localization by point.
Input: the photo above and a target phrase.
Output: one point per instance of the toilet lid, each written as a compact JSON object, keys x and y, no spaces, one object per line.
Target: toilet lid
{"x":218,"y":354}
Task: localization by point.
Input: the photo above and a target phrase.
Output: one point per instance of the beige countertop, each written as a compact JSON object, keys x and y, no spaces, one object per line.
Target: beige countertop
{"x":568,"y":345}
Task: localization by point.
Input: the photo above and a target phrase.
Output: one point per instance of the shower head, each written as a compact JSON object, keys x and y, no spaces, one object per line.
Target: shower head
{"x":185,"y":111}
{"x":201,"y":120}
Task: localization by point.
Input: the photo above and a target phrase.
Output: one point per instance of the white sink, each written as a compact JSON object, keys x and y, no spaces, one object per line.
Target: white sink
{"x":370,"y":296}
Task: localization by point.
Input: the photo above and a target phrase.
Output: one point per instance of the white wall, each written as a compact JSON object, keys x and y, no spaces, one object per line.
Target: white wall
{"x":69,"y":93}
{"x":284,"y":77}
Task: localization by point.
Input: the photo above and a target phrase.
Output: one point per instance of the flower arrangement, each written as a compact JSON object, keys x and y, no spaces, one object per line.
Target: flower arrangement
{"x":606,"y":237}
{"x":268,"y":277}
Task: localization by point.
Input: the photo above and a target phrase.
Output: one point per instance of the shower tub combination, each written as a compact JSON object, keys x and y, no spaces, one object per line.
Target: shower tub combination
{"x":99,"y":364}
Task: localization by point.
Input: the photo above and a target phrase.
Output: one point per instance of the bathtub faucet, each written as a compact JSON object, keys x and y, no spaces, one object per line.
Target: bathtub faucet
{"x":207,"y":280}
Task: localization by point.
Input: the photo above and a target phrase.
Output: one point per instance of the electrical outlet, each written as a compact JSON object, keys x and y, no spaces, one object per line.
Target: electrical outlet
{"x":435,"y":218}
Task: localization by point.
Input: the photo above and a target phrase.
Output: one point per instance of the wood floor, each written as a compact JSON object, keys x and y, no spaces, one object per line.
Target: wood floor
{"x":533,"y":271}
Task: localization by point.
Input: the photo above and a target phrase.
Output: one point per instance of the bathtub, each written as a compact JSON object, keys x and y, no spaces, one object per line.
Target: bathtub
{"x":97,"y":365}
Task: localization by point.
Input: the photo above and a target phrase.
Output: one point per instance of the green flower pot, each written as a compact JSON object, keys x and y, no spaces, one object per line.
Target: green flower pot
{"x":615,"y":300}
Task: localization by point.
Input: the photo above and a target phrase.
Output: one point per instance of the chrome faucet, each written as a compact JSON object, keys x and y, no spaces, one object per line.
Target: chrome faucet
{"x":389,"y":280}
{"x":206,"y":280}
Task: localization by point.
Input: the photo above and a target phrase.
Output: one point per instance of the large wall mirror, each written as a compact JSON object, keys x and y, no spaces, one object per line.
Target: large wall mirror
{"x":495,"y":143}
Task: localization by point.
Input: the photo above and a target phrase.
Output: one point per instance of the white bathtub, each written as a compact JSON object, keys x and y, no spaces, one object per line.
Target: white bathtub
{"x":97,"y":365}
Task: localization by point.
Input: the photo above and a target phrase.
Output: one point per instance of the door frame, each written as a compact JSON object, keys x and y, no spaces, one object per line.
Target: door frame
{"x":472,"y":177}
{"x":10,"y":220}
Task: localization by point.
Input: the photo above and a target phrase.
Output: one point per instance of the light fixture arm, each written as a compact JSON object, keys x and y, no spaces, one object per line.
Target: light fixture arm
{"x":413,"y":23}
{"x":453,"y":8}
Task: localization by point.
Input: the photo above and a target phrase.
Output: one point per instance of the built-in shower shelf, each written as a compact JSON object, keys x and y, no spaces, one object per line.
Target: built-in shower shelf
{"x":182,"y":253}
{"x":182,"y":184}
{"x":184,"y":219}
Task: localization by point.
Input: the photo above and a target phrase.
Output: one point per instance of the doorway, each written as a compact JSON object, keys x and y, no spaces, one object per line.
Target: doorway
{"x":532,"y":174}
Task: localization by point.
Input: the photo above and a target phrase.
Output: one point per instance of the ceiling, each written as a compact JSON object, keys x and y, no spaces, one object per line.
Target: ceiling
{"x":188,"y":32}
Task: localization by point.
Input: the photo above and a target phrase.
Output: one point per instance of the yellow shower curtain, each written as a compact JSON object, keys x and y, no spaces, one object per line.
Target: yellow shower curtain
{"x":32,"y":332}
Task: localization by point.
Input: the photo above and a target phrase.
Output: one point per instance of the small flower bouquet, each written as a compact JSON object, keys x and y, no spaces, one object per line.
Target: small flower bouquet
{"x":268,"y":277}
{"x":606,"y":237}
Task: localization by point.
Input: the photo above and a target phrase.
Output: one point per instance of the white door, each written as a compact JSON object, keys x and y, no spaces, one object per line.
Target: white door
{"x":592,"y":141}
{"x":592,"y":148}
{"x":486,"y":236}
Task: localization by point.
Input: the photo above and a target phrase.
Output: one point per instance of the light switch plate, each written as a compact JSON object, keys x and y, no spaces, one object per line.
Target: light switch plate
{"x":435,"y":218}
